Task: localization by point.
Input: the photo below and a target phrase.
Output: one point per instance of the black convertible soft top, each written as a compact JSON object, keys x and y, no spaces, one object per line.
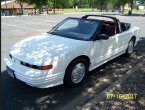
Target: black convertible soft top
{"x":86,"y":16}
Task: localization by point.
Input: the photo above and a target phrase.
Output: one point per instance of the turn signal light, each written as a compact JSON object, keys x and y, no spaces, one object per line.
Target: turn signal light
{"x":47,"y":67}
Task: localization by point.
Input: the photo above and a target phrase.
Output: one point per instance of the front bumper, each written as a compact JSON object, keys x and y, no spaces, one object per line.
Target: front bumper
{"x":34,"y":77}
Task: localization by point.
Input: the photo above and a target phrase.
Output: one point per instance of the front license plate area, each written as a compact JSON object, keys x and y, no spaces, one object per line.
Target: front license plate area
{"x":10,"y":72}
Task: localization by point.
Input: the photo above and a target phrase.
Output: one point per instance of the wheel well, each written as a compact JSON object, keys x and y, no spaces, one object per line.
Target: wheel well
{"x":83,"y":57}
{"x":134,"y":39}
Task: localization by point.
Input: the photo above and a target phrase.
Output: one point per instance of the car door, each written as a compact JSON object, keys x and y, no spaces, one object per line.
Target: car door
{"x":103,"y":49}
{"x":110,"y":47}
{"x":122,"y":41}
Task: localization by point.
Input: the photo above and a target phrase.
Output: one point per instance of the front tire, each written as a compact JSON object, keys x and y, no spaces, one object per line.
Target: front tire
{"x":130,"y":47}
{"x":76,"y":72}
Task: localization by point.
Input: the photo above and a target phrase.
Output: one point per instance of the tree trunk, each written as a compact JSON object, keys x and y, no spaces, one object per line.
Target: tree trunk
{"x":22,"y":10}
{"x":106,"y":8}
{"x":39,"y":10}
{"x":101,"y":7}
{"x":54,"y":6}
{"x":92,"y":9}
{"x":123,"y":9}
{"x":47,"y":10}
{"x":131,"y":7}
{"x":35,"y":11}
{"x":93,"y":6}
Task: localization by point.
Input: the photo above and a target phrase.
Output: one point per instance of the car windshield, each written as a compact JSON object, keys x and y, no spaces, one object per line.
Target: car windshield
{"x":82,"y":29}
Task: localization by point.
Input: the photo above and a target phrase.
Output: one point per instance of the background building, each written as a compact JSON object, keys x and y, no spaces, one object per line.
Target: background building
{"x":14,"y":8}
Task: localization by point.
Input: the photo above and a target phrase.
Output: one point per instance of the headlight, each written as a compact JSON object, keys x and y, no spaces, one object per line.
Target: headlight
{"x":47,"y":67}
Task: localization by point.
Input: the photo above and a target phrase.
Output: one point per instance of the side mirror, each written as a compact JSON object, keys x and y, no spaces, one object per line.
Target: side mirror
{"x":103,"y":36}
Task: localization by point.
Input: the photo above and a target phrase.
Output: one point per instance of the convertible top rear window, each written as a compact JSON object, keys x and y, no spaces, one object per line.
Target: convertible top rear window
{"x":82,"y":29}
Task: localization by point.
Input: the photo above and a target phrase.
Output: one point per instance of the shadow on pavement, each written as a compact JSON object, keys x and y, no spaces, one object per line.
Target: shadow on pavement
{"x":16,"y":95}
{"x":134,"y":85}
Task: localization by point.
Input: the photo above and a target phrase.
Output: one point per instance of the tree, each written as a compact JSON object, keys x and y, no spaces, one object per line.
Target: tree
{"x":108,"y":2}
{"x":76,"y":2}
{"x":60,"y":4}
{"x":49,"y":5}
{"x":102,"y":3}
{"x":94,"y":4}
{"x":131,"y":2}
{"x":54,"y":5}
{"x":20,"y":2}
{"x":84,"y":3}
{"x":122,"y":3}
{"x":64,"y":3}
{"x":37,"y":3}
{"x":142,"y":2}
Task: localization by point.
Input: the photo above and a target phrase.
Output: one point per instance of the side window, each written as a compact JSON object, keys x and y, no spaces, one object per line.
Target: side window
{"x":105,"y":29}
{"x":112,"y":30}
{"x":125,"y":26}
{"x":108,"y":29}
{"x":69,"y":24}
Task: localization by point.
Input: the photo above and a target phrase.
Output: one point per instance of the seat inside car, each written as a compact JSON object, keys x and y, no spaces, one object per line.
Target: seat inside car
{"x":105,"y":29}
{"x":111,"y":27}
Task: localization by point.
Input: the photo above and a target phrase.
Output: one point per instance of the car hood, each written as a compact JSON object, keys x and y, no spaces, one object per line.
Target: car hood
{"x":36,"y":49}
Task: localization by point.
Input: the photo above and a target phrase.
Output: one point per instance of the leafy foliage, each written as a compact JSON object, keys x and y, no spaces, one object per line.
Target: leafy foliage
{"x":64,"y":3}
{"x":142,"y":2}
{"x":80,"y":3}
{"x":121,"y":2}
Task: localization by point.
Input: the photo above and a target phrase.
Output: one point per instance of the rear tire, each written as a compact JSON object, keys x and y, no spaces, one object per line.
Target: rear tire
{"x":130,"y":47}
{"x":76,"y":72}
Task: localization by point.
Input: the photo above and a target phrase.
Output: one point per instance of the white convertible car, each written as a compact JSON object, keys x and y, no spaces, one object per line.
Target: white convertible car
{"x":70,"y":50}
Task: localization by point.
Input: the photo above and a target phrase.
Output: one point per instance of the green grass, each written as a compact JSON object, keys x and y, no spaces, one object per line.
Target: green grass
{"x":135,"y":10}
{"x":71,"y":10}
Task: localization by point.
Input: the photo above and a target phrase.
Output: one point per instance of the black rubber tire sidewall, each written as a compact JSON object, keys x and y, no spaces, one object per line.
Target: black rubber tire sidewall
{"x":67,"y":77}
{"x":127,"y":53}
